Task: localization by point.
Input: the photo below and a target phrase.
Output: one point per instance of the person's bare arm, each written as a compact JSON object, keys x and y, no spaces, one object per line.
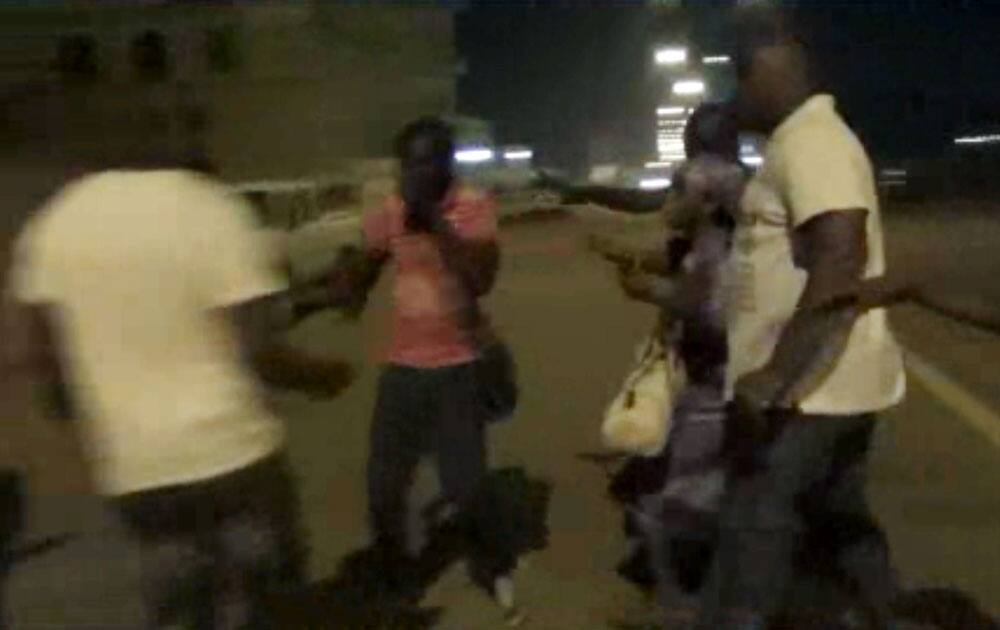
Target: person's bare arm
{"x":970,"y":309}
{"x":649,"y":288}
{"x":651,"y":261}
{"x":32,"y":358}
{"x":345,"y":285}
{"x":261,"y":325}
{"x":833,"y":251}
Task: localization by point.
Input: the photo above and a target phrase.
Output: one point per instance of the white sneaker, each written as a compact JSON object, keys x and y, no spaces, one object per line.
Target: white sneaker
{"x":503,"y":593}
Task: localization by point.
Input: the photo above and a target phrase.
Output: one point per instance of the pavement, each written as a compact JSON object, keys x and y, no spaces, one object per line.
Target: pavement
{"x":935,"y":473}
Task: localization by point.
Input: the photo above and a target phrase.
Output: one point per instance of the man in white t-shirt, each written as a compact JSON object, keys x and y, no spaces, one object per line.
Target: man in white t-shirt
{"x":809,"y":231}
{"x":148,"y":299}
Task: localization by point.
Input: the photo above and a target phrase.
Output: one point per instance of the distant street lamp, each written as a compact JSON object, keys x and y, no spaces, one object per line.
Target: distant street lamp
{"x":672,"y":56}
{"x":983,"y":139}
{"x":654,"y":183}
{"x":670,"y":111}
{"x":689,"y":87}
{"x":715,"y":60}
{"x":518,"y":155}
{"x":474,"y":155}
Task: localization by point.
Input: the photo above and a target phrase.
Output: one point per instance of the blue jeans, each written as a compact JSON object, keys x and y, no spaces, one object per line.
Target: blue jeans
{"x":804,"y":486}
{"x":215,"y":552}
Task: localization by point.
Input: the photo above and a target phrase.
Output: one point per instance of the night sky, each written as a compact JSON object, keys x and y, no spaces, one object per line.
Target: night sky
{"x":908,"y":75}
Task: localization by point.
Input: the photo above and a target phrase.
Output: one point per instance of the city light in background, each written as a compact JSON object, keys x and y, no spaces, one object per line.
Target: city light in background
{"x":689,"y":87}
{"x":892,"y":177}
{"x":671,"y":56}
{"x":655,"y":183}
{"x":750,"y":155}
{"x":715,"y":60}
{"x":985,"y":139}
{"x":518,"y":155}
{"x":671,"y":111}
{"x":474,"y":155}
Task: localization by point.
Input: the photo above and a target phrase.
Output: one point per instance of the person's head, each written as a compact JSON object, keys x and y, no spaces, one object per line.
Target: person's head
{"x":772,"y":70}
{"x":712,"y":130}
{"x":425,"y":149}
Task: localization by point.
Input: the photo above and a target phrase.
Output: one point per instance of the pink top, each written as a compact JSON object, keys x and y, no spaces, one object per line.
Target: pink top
{"x":427,"y":297}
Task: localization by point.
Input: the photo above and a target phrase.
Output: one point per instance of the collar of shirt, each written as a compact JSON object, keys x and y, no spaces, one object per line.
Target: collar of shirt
{"x":813,"y":105}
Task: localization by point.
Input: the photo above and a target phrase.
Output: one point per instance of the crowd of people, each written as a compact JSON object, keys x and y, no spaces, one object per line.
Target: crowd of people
{"x":146,"y":307}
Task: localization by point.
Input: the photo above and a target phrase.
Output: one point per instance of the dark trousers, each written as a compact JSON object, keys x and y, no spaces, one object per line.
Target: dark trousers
{"x":215,"y":552}
{"x":437,"y":412}
{"x":804,"y":487}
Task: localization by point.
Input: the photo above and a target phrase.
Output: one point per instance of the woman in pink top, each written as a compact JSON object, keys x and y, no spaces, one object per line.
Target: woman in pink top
{"x":441,"y":240}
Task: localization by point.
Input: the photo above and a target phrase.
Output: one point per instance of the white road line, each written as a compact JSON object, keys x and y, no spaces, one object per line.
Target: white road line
{"x":956,"y":397}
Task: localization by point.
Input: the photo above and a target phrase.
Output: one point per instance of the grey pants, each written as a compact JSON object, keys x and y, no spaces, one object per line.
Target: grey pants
{"x":679,"y":521}
{"x":805,"y":488}
{"x":436,"y":412}
{"x":214,"y":553}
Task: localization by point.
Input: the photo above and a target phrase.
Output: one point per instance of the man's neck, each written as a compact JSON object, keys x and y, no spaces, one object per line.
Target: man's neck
{"x":794,"y":99}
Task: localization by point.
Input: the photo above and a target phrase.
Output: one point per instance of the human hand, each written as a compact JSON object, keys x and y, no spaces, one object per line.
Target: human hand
{"x":635,"y":284}
{"x":423,"y":216}
{"x":330,"y":378}
{"x":608,"y":248}
{"x":758,"y":393}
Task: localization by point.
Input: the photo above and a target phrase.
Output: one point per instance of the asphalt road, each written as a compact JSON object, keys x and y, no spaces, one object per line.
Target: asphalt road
{"x":935,"y":478}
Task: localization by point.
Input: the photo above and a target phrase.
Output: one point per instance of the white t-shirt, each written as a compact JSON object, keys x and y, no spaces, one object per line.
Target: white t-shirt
{"x":813,"y":163}
{"x":138,"y":265}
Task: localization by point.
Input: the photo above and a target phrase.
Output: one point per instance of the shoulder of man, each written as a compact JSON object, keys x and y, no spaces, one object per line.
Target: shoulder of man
{"x":42,"y":222}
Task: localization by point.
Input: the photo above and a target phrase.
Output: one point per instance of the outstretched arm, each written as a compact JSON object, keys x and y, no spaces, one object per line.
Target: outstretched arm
{"x":969,"y":308}
{"x":622,"y":199}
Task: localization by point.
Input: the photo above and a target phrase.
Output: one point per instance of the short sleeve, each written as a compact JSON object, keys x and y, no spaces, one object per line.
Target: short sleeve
{"x":235,"y":262}
{"x":822,"y":170}
{"x":32,"y":279}
{"x":475,"y":217}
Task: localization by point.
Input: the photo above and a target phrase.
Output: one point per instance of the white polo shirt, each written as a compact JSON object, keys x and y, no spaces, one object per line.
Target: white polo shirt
{"x":138,"y":265}
{"x":813,"y":163}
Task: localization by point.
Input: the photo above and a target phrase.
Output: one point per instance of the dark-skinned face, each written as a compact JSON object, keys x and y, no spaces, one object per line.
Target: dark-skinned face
{"x":762,"y":86}
{"x":425,"y":176}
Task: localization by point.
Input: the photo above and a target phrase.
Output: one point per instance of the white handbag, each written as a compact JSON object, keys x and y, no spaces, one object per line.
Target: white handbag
{"x":638,"y":420}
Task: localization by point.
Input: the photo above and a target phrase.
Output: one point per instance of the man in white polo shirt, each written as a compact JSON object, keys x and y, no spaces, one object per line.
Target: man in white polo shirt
{"x":809,"y":232}
{"x":148,"y":298}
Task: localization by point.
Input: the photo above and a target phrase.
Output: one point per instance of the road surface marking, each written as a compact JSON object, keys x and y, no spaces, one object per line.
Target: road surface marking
{"x":971,"y":409}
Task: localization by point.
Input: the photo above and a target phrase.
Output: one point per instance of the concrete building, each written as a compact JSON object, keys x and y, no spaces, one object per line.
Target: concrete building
{"x":268,"y":89}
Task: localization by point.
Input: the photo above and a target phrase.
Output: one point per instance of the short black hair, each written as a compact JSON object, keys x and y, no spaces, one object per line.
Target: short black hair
{"x":760,"y":27}
{"x":433,"y":128}
{"x":712,"y":129}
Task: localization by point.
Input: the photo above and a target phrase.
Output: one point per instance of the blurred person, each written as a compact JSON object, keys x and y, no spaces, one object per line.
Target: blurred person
{"x":149,"y":313}
{"x":440,"y":236}
{"x":675,"y":495}
{"x":809,"y":231}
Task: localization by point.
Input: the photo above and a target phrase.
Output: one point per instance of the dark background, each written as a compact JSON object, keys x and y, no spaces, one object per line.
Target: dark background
{"x":909,"y":76}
